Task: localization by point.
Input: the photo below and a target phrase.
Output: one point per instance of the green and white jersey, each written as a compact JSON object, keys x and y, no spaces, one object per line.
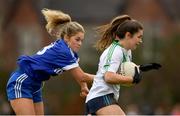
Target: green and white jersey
{"x":110,"y":60}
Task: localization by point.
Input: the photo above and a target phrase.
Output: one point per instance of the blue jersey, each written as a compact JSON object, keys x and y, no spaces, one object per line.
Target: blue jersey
{"x":50,"y":61}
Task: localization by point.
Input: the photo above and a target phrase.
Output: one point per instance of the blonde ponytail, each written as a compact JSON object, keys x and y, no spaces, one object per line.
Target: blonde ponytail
{"x":54,"y":18}
{"x":59,"y":24}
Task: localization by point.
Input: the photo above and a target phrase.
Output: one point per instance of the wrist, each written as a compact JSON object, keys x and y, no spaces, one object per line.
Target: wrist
{"x":83,"y":85}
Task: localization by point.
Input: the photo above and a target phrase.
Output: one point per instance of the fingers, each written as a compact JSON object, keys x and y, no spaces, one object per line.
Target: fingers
{"x":156,"y":65}
{"x":150,"y":66}
{"x":137,"y":76}
{"x":137,"y":69}
{"x":83,"y":94}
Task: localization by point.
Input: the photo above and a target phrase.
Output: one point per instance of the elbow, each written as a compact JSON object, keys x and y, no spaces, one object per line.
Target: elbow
{"x":107,"y":78}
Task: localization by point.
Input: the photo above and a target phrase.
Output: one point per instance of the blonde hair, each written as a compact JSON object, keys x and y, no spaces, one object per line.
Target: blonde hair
{"x":60,"y":24}
{"x":117,"y":27}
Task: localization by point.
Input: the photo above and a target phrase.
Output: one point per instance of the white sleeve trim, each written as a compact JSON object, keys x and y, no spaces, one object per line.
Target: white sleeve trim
{"x":68,"y":67}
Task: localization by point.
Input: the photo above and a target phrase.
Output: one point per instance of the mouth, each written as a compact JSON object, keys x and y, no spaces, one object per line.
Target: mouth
{"x":138,"y":44}
{"x":78,"y":47}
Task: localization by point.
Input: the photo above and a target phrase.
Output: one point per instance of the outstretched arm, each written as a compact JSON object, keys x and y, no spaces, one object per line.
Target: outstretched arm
{"x":82,"y":78}
{"x":89,"y":77}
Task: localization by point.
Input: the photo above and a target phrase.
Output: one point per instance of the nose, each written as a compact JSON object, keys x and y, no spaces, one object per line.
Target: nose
{"x":80,"y":43}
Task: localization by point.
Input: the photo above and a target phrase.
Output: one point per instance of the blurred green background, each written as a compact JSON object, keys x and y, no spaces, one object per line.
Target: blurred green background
{"x":22,"y":31}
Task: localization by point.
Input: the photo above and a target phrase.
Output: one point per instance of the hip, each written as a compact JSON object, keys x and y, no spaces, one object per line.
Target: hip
{"x":20,"y":79}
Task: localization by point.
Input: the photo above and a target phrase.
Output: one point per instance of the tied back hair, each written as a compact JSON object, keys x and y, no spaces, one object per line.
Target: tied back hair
{"x":59,"y":24}
{"x":108,"y":32}
{"x":54,"y":18}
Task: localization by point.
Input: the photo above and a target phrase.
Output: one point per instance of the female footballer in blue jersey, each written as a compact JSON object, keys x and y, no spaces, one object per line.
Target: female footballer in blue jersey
{"x":24,"y":88}
{"x":118,"y":38}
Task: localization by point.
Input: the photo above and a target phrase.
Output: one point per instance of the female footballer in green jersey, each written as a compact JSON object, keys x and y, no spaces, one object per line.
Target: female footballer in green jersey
{"x":118,"y":38}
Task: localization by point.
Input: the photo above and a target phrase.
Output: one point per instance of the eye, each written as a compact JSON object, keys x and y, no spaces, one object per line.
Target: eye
{"x":78,"y":39}
{"x":140,"y":36}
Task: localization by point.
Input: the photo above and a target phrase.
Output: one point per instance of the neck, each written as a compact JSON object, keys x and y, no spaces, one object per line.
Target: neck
{"x":123,"y":43}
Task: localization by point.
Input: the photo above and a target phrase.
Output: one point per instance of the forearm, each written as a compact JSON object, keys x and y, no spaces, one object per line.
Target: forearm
{"x":114,"y":78}
{"x":89,"y":77}
{"x":80,"y":80}
{"x":80,"y":76}
{"x":86,"y":78}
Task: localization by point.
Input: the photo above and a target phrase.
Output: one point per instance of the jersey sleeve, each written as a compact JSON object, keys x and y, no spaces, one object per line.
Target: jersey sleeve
{"x":113,"y":60}
{"x":67,"y":60}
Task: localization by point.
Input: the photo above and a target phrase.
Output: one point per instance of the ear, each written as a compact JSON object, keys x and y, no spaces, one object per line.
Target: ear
{"x":128,"y":35}
{"x":66,"y":38}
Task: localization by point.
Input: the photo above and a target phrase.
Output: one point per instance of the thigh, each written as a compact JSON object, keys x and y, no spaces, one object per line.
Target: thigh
{"x":39,"y":108}
{"x":37,"y":99}
{"x":23,"y":106}
{"x":110,"y":110}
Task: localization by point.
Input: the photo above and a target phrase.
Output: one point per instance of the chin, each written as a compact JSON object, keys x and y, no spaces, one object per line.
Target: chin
{"x":134,"y":48}
{"x":76,"y":50}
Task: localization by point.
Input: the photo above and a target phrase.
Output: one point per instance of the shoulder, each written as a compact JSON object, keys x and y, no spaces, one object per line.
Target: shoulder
{"x":64,"y":50}
{"x":61,"y":47}
{"x":117,"y":53}
{"x":113,"y":49}
{"x":113,"y":52}
{"x":61,"y":44}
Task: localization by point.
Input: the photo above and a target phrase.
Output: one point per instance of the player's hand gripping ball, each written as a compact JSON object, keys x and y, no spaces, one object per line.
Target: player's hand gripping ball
{"x":131,"y":69}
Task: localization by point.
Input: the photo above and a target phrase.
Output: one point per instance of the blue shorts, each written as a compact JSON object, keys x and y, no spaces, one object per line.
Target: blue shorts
{"x":20,"y":85}
{"x":95,"y":104}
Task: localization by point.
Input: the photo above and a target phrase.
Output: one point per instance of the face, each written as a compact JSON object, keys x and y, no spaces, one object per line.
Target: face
{"x":75,"y":41}
{"x":135,"y":40}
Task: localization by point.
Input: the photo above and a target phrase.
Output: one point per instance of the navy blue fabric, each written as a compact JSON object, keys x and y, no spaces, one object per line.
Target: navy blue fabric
{"x":95,"y":104}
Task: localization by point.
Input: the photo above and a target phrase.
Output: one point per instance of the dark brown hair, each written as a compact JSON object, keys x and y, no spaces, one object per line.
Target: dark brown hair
{"x":117,"y":27}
